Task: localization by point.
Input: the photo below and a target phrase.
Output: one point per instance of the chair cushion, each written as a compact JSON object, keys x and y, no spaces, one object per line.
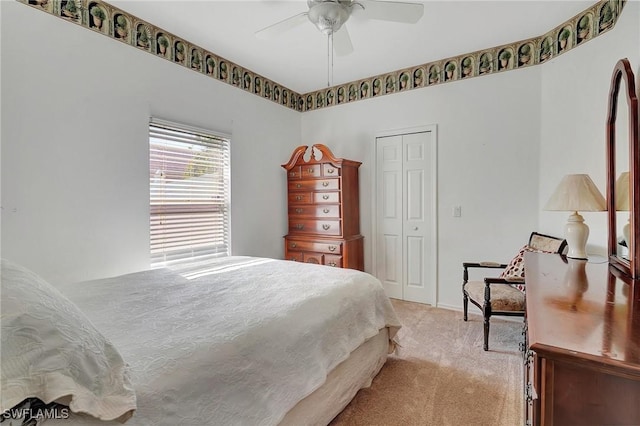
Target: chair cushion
{"x":503,"y":297}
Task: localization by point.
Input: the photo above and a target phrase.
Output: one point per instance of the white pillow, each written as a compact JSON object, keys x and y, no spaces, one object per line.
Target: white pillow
{"x":51,"y":351}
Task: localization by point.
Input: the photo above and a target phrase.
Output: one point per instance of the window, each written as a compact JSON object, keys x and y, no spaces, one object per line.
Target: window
{"x":189,"y":174}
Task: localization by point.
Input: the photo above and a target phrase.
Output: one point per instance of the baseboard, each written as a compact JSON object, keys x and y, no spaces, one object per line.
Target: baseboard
{"x":474,"y":311}
{"x":449,"y":307}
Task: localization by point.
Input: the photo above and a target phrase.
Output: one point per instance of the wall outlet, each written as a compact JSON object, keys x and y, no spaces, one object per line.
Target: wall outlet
{"x":457,"y":211}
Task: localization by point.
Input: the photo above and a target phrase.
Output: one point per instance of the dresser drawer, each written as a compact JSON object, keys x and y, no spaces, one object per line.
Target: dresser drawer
{"x":329,"y":211}
{"x":316,"y":258}
{"x":300,"y":197}
{"x":326,"y":197}
{"x":294,"y":173}
{"x":296,"y":256}
{"x":335,"y":261}
{"x":322,"y":247}
{"x":329,"y":170}
{"x":321,"y":227}
{"x":314,"y":185}
{"x":310,"y":170}
{"x":322,"y":259}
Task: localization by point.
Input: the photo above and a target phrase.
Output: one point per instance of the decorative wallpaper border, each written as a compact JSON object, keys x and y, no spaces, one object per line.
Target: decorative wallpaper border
{"x":588,"y":24}
{"x":101,"y":17}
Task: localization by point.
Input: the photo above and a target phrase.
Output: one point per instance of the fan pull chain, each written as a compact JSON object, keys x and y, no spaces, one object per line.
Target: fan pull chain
{"x":329,"y":59}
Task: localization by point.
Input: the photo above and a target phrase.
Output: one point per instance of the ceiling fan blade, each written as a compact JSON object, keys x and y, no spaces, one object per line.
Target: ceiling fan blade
{"x":281,"y":27}
{"x":405,"y":12}
{"x":342,"y":42}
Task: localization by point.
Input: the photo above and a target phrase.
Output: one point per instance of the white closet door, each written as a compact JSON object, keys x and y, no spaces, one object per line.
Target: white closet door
{"x":404,"y":239}
{"x":389,"y":213}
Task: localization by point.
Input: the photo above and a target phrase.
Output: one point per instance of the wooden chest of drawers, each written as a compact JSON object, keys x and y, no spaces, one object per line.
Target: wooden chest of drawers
{"x":324,"y":212}
{"x":582,"y":347}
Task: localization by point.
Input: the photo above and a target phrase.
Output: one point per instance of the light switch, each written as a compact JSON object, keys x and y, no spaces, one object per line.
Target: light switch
{"x":457,"y":211}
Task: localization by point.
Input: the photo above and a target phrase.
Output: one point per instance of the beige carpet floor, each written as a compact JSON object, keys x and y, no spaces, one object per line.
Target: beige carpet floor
{"x":440,"y":375}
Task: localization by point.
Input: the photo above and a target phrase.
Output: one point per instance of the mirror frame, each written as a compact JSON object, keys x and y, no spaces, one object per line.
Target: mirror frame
{"x":623,"y":72}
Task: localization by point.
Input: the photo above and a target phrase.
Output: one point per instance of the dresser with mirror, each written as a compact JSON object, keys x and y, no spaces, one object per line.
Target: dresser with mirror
{"x":582,"y":327}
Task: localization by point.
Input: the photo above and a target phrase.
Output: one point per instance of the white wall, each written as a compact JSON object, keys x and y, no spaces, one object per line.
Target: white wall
{"x":75,"y":109}
{"x":74,"y":147}
{"x":575,"y":90}
{"x":504,"y":141}
{"x":488,"y":133}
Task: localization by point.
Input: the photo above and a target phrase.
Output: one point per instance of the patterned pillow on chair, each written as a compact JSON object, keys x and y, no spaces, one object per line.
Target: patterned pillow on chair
{"x":515,"y":268}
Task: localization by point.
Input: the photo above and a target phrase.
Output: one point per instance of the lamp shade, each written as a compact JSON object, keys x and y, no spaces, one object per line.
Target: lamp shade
{"x":576,"y":193}
{"x":622,"y":192}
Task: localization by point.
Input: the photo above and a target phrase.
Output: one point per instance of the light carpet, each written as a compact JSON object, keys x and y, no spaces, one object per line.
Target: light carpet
{"x":441,"y":376}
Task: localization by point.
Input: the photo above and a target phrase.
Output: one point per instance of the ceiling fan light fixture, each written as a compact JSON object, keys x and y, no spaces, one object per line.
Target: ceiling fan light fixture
{"x":328,"y":16}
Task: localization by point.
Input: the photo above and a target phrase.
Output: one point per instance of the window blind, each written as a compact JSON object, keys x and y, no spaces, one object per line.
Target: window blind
{"x":189,"y":172}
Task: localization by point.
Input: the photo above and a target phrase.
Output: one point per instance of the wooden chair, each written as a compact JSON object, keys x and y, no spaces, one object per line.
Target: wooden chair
{"x":504,"y":295}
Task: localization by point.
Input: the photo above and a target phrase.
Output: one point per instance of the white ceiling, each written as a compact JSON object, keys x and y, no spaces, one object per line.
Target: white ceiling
{"x":298,"y":59}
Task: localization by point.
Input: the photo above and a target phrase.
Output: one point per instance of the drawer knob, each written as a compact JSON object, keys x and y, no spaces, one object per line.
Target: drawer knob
{"x":310,"y":170}
{"x":294,"y":245}
{"x":299,"y":211}
{"x":292,"y":174}
{"x":332,"y":264}
{"x":332,"y":248}
{"x":325,"y":197}
{"x":325,"y":211}
{"x":326,"y":227}
{"x":298,"y":197}
{"x":325,"y":183}
{"x":299,"y":226}
{"x":330,"y":171}
{"x":298,"y":185}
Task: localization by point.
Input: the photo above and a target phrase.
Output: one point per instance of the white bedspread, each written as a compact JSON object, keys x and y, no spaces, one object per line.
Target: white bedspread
{"x":239,"y":345}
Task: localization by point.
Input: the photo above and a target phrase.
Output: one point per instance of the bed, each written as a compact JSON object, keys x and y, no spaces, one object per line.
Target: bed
{"x":238,"y":341}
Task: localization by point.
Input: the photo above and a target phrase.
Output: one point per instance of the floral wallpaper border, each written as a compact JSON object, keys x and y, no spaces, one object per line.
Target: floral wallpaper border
{"x":101,"y":17}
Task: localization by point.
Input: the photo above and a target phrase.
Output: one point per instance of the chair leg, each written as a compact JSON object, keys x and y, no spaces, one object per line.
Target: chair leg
{"x":465,"y":297}
{"x":486,"y":333}
{"x":486,"y":313}
{"x":465,"y":304}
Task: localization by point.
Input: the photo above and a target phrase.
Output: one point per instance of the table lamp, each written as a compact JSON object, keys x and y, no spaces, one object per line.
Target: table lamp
{"x":576,"y":193}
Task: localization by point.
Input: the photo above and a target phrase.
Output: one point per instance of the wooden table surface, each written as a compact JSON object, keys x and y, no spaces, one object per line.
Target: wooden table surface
{"x":585,"y":310}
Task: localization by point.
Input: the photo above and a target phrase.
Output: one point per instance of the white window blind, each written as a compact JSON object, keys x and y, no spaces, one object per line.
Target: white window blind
{"x":189,"y":172}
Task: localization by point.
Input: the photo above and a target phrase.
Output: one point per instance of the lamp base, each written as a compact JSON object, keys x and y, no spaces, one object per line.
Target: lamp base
{"x":576,"y":233}
{"x":576,"y":280}
{"x":626,"y":232}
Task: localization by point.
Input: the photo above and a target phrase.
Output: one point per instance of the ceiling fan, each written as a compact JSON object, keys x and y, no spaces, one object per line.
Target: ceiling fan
{"x":329,"y":16}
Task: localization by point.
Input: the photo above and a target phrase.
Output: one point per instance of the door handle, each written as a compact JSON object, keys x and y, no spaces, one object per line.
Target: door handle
{"x":415,"y":228}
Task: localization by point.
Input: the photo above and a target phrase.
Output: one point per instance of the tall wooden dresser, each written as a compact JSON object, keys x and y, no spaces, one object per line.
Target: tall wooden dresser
{"x":324,"y":209}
